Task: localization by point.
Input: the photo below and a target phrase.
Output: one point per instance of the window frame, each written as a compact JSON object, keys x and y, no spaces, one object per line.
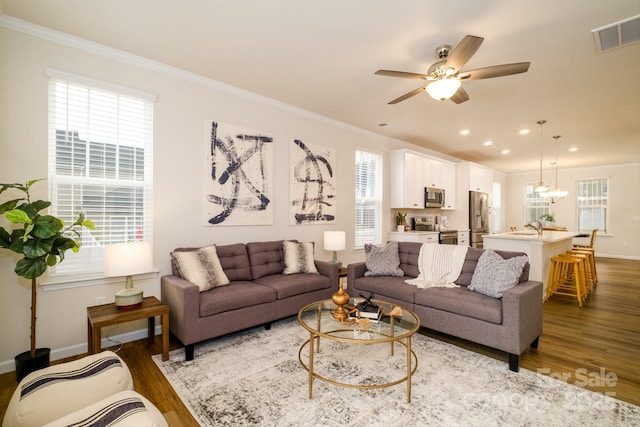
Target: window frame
{"x":605,"y":207}
{"x":121,"y":153}
{"x":528,"y":189}
{"x":371,"y":234}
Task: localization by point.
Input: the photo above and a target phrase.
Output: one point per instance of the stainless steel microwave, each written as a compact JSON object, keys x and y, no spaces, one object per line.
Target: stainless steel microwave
{"x":433,"y":197}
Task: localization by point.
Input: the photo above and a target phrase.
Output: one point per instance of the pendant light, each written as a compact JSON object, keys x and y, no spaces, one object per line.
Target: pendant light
{"x":540,"y":187}
{"x":555,"y":193}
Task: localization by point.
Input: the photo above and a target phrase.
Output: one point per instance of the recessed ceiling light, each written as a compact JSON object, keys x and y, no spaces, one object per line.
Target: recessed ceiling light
{"x":573,"y":149}
{"x":383,"y":124}
{"x":505,"y":151}
{"x":465,"y":132}
{"x":488,"y":143}
{"x":524,"y":131}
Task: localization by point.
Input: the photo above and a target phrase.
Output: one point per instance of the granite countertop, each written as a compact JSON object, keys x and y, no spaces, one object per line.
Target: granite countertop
{"x":531,"y":235}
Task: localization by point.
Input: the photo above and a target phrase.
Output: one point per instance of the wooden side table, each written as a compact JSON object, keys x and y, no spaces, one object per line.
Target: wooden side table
{"x":99,"y":316}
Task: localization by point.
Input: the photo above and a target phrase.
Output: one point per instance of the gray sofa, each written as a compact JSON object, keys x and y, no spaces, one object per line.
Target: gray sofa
{"x":511,"y":323}
{"x":258,"y":293}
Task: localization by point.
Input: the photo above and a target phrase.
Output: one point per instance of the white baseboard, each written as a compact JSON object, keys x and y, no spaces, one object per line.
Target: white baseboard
{"x":629,"y":257}
{"x":74,"y":350}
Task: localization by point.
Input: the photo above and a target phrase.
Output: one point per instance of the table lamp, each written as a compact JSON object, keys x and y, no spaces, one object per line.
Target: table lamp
{"x":127,"y":259}
{"x":335,"y":241}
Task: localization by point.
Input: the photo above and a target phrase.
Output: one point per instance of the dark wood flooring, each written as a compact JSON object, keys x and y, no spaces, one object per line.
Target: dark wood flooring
{"x":578,"y":344}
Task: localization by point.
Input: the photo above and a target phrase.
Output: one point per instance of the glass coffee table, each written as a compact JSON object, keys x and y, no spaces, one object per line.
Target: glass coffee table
{"x":317,"y":318}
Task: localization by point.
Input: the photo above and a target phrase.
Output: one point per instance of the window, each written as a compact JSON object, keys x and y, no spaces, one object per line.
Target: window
{"x":534,"y":204}
{"x":593,"y":204}
{"x":368,"y":198}
{"x":100,"y":163}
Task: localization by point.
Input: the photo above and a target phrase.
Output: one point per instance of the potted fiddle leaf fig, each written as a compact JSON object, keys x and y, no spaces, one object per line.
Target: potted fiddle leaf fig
{"x":41,"y":240}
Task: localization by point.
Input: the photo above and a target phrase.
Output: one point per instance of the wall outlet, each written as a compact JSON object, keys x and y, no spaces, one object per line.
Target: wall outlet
{"x":101,"y":300}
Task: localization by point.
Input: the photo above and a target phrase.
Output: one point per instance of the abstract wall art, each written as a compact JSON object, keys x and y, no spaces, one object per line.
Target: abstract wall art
{"x":312,"y":183}
{"x":239,"y":175}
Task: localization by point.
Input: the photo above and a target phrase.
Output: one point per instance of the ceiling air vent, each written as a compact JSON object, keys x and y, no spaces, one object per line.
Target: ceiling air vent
{"x":618,"y":34}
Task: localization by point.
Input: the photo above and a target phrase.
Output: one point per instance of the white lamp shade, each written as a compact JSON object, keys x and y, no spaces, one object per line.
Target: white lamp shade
{"x":335,"y":240}
{"x":442,"y":89}
{"x":126,"y":259}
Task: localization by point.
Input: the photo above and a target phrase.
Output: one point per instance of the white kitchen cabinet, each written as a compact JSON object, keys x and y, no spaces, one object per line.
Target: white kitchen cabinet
{"x":463,"y":237}
{"x":448,"y":180}
{"x":415,"y":236}
{"x":475,"y":177}
{"x":412,"y":172}
{"x":407,"y":185}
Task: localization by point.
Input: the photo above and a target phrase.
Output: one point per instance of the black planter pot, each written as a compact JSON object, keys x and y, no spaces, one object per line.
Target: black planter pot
{"x":25,"y":364}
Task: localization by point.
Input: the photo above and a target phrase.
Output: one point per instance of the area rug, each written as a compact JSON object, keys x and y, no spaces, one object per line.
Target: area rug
{"x":254,"y":377}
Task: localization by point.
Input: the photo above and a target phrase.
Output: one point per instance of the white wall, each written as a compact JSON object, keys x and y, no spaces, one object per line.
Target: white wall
{"x":179,"y":113}
{"x":183,"y":102}
{"x":623,"y":236}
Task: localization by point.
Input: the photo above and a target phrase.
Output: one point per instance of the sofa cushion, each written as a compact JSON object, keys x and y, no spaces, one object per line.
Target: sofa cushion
{"x":235,"y":261}
{"x":298,"y":258}
{"x":387,"y":286}
{"x":382,"y":260}
{"x":237,"y":295}
{"x":200,"y":266}
{"x":469,"y":266}
{"x":461,"y":301}
{"x":265,"y":258}
{"x":471,"y":260}
{"x":494,"y":274}
{"x":295,"y":284}
{"x":409,"y":253}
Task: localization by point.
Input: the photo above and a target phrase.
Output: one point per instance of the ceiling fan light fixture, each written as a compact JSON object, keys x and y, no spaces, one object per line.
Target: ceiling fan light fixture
{"x":443,"y":89}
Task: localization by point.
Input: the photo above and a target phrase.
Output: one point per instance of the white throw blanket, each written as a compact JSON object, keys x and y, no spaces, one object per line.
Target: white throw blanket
{"x":439,"y":265}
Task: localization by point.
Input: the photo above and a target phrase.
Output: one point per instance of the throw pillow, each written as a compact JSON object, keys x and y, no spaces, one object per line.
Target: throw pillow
{"x":494,"y":275}
{"x":298,"y":258}
{"x":382,"y":260}
{"x":201,"y":267}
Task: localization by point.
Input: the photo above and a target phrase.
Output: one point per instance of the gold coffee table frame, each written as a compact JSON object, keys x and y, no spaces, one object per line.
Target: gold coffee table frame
{"x":318,"y":320}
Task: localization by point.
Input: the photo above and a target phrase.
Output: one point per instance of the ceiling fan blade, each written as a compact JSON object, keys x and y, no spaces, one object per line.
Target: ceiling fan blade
{"x":408,"y":95}
{"x":460,"y":96}
{"x":495,"y":71}
{"x":463,"y":52}
{"x":390,"y":73}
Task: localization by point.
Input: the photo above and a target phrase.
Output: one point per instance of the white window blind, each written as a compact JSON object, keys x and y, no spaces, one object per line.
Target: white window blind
{"x":593,"y":204}
{"x":534,"y":204}
{"x":368,"y":223}
{"x":100,"y":163}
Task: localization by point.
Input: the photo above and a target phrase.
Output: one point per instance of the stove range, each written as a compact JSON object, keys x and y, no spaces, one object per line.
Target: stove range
{"x":448,"y":237}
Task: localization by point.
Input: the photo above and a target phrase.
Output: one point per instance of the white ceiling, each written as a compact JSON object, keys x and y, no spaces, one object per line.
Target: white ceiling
{"x":321,"y":55}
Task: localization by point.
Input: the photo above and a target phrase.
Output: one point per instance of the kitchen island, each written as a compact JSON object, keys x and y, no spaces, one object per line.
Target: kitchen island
{"x":539,"y":248}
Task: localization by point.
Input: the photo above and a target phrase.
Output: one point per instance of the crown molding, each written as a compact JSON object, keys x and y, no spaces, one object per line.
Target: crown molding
{"x":59,"y":37}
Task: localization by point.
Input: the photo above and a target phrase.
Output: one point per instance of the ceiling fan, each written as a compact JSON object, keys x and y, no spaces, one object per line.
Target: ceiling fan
{"x":445,"y":76}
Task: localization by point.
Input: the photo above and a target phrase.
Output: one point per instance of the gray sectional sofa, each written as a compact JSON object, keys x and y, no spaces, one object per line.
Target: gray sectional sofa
{"x":511,"y":323}
{"x":257,"y":293}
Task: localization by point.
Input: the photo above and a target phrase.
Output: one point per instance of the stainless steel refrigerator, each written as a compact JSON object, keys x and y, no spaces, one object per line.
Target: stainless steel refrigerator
{"x":478,"y":217}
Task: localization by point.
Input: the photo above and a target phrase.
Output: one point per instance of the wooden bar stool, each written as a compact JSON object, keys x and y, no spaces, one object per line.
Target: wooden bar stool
{"x":590,"y":253}
{"x":585,"y":268}
{"x":591,"y":242}
{"x":590,"y":266}
{"x":566,"y":277}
